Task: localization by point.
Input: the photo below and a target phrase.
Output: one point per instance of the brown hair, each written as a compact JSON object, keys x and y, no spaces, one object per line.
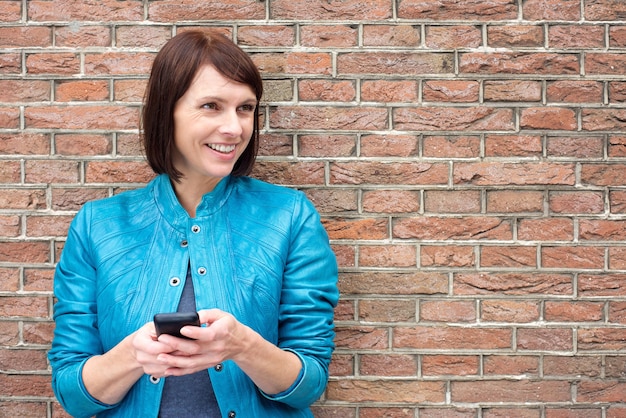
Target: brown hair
{"x":173,"y":71}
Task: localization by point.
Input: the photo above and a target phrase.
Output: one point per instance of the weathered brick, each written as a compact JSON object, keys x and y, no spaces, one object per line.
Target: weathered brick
{"x":389,"y":146}
{"x":453,"y":10}
{"x":514,"y":201}
{"x":411,"y":283}
{"x":551,"y":10}
{"x":513,"y":284}
{"x":511,"y":311}
{"x":517,"y":391}
{"x":388,"y":256}
{"x":403,"y":391}
{"x":515,"y":36}
{"x":575,"y":36}
{"x":329,"y":36}
{"x":451,"y":91}
{"x":391,"y":35}
{"x":457,"y":311}
{"x":452,"y":119}
{"x":508,"y":256}
{"x":440,"y":228}
{"x":447,"y":256}
{"x":452,"y":201}
{"x":320,"y":9}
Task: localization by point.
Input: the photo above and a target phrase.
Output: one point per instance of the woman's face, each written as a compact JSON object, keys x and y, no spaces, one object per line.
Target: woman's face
{"x":213,"y":124}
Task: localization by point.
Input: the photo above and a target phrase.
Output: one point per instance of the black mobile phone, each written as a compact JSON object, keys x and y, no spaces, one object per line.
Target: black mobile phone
{"x":171,"y":323}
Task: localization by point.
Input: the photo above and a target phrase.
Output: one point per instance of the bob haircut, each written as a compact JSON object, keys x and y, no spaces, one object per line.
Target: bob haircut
{"x":173,"y":71}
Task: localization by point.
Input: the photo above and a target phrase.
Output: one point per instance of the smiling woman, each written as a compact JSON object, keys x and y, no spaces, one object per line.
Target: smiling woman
{"x":251,"y":258}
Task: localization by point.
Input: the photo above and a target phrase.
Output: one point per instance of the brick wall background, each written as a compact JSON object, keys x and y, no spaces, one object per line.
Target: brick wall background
{"x":468,"y":159}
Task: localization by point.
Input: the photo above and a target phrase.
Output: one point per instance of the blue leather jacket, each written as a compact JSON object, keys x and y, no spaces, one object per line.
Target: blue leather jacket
{"x":255,"y":250}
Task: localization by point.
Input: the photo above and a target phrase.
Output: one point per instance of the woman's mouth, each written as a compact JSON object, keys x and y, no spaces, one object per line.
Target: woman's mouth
{"x":224,"y":149}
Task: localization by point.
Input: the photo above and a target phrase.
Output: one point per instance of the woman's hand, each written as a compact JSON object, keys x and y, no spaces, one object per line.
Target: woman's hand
{"x":147,"y":348}
{"x":223,"y":338}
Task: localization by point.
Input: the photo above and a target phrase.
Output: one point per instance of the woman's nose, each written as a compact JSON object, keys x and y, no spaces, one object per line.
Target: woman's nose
{"x":231,"y":123}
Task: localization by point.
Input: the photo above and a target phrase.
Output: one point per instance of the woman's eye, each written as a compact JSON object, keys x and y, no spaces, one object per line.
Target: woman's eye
{"x":247,"y":108}
{"x":209,"y":106}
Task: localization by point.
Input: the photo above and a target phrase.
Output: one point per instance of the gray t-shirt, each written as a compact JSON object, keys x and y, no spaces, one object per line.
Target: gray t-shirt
{"x":192,"y":395}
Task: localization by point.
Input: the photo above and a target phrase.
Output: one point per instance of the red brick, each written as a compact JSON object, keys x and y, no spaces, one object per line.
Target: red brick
{"x":391,"y":35}
{"x":322,"y":10}
{"x":38,"y":332}
{"x":513,"y":284}
{"x":10,"y":11}
{"x":388,"y":256}
{"x":289,"y":173}
{"x":448,"y":311}
{"x":327,"y":145}
{"x":362,"y":337}
{"x":39,"y":280}
{"x":10,"y":63}
{"x":545,"y":229}
{"x":604,"y":10}
{"x":391,"y":201}
{"x":389,"y":91}
{"x":107,"y":10}
{"x":574,"y":91}
{"x":451,"y":91}
{"x":602,"y":230}
{"x":435,"y":365}
{"x":451,"y":146}
{"x":362,"y":118}
{"x":603,"y":174}
{"x":572,"y":257}
{"x":25,"y":252}
{"x":604,"y":285}
{"x":329,"y":36}
{"x":515,"y":36}
{"x":509,"y":311}
{"x":551,"y":10}
{"x":272,"y":36}
{"x":602,"y":339}
{"x":118,"y":172}
{"x":452,"y":201}
{"x":9,"y":280}
{"x":572,"y":366}
{"x":81,"y":117}
{"x":327,"y":90}
{"x":496,"y":173}
{"x":368,"y":228}
{"x":397,"y":63}
{"x":617,"y":258}
{"x":447,"y":256}
{"x":575,"y":36}
{"x":118,"y":63}
{"x":411,"y":283}
{"x":84,"y":90}
{"x":25,"y":143}
{"x":520,"y":365}
{"x":76,"y":144}
{"x":576,"y":202}
{"x":24,"y":90}
{"x":389,"y":146}
{"x":23,"y":409}
{"x":9,"y":118}
{"x":53,"y":63}
{"x":332,"y":200}
{"x":509,"y":145}
{"x":519,"y":63}
{"x":575,"y":311}
{"x":451,"y":338}
{"x":437,"y":228}
{"x":24,"y":306}
{"x":509,"y":256}
{"x":398,"y":391}
{"x":387,"y":310}
{"x":517,"y":391}
{"x":617,"y":36}
{"x":23,"y":360}
{"x":600,"y":391}
{"x":512,"y":91}
{"x":603,"y":119}
{"x":514,"y":201}
{"x":82,"y":36}
{"x":23,"y":198}
{"x":457,"y":36}
{"x":395,"y":173}
{"x":129,"y":90}
{"x":47,"y":225}
{"x":453,"y":10}
{"x":25,"y":36}
{"x":584,"y":147}
{"x":388,"y":365}
{"x":52,"y":171}
{"x":17,"y":385}
{"x":549,"y":118}
{"x":453,"y":119}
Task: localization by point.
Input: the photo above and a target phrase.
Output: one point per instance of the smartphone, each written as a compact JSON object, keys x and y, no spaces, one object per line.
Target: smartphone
{"x":171,"y":323}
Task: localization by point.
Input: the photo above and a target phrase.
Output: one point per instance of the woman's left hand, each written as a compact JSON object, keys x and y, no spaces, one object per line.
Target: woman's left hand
{"x":222,"y":338}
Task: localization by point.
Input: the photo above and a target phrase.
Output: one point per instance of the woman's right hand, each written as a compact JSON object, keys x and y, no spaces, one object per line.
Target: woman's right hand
{"x":146,"y":349}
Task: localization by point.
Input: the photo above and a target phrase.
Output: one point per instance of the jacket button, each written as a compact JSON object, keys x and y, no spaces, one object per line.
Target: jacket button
{"x":231,"y":414}
{"x":202,"y":271}
{"x":154,"y":380}
{"x":174,"y":281}
{"x":219,"y":367}
{"x":195,"y":229}
{"x":184,"y":243}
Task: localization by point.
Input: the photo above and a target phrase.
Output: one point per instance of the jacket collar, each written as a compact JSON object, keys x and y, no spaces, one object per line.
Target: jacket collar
{"x":172,"y":210}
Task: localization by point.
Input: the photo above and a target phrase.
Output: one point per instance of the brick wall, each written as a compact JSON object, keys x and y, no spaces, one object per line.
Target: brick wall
{"x":468,"y":158}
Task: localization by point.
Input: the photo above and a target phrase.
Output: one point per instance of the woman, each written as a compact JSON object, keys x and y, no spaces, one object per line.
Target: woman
{"x":250,"y":257}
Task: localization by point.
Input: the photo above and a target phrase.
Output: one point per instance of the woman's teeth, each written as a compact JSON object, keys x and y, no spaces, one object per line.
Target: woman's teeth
{"x":222,"y":148}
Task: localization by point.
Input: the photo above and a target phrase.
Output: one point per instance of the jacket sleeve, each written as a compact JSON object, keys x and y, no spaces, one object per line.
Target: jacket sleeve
{"x":309,"y":295}
{"x":76,"y":336}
